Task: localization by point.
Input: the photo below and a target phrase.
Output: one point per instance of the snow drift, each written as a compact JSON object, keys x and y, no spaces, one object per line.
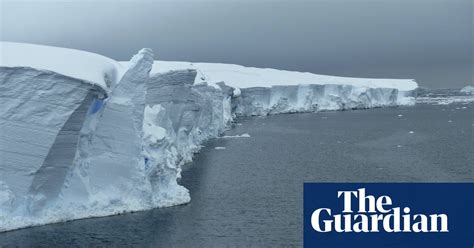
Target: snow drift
{"x":84,"y":136}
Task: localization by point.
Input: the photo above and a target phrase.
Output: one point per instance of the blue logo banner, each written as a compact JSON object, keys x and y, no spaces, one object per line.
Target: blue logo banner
{"x":388,"y":215}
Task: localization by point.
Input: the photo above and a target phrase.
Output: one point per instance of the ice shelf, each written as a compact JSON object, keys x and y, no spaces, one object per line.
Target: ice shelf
{"x":84,"y":136}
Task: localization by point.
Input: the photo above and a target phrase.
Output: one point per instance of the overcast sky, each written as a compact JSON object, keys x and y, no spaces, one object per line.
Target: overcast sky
{"x":428,"y":40}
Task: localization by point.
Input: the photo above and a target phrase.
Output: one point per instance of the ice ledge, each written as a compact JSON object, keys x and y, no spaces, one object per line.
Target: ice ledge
{"x":91,"y":67}
{"x":238,"y":76}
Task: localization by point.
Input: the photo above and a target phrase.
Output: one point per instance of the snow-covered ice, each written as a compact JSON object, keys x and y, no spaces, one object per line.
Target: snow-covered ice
{"x":238,"y":76}
{"x":83,"y":65}
{"x":83,"y":135}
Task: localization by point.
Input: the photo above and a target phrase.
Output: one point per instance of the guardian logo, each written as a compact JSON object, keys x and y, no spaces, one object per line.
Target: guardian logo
{"x":373,"y":215}
{"x":388,"y":215}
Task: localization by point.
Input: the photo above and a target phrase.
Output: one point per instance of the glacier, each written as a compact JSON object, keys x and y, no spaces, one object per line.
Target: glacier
{"x":85,"y":136}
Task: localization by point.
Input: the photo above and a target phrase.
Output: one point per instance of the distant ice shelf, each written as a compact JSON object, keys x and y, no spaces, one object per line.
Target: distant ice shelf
{"x":468,"y":89}
{"x":445,"y":96}
{"x":82,"y":135}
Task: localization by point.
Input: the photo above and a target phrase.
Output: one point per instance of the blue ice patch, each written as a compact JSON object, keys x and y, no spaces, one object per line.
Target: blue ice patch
{"x":96,"y":106}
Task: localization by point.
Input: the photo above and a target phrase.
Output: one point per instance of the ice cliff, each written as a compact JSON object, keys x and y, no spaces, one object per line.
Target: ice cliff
{"x":83,"y":135}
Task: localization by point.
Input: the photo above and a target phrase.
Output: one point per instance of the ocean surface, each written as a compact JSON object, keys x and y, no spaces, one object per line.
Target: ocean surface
{"x":248,"y":191}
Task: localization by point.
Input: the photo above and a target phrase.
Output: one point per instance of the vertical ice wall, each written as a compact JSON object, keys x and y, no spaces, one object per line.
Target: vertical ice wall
{"x":40,"y":118}
{"x":311,"y":98}
{"x":66,"y":151}
{"x":179,"y":116}
{"x":110,"y":171}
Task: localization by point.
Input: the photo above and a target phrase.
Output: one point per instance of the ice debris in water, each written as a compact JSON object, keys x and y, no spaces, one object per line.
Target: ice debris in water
{"x":245,"y":135}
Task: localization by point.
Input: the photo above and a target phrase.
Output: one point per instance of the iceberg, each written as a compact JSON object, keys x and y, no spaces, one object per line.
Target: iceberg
{"x":85,"y":136}
{"x":468,"y":89}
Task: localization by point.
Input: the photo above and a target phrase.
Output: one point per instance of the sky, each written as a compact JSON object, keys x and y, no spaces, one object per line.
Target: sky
{"x":430,"y":41}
